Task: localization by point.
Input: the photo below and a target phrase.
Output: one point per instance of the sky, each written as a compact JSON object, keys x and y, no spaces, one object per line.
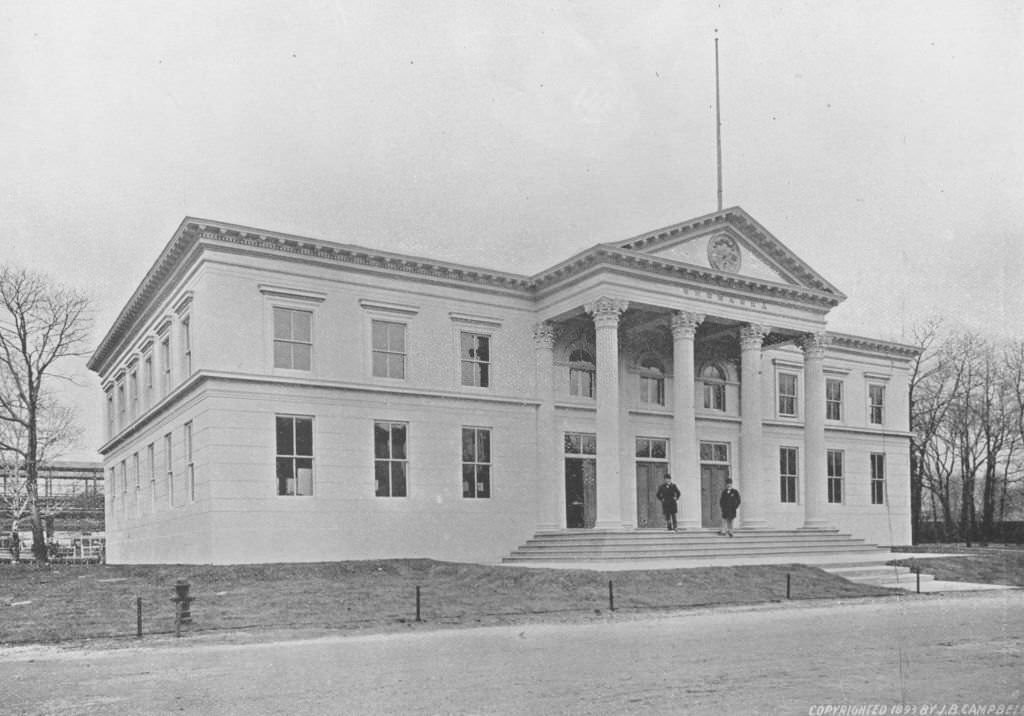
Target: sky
{"x":882,"y":142}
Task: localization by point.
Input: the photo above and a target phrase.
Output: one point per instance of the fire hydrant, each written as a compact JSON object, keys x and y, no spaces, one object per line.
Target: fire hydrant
{"x":182,"y":604}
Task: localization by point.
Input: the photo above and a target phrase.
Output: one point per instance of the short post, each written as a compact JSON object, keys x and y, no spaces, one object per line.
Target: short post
{"x":418,"y":603}
{"x":611,"y":597}
{"x":182,"y":605}
{"x":917,"y":571}
{"x":788,"y":577}
{"x":138,"y":617}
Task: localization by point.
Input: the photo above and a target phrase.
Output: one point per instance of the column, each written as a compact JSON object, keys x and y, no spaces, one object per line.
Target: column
{"x":550,"y":480}
{"x":750,"y":477}
{"x":606,"y":312}
{"x":815,"y":469}
{"x":685,"y":458}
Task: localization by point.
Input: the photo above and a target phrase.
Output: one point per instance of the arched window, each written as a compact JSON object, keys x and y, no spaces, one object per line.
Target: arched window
{"x":582,"y":376}
{"x":713,"y":378}
{"x":652,"y":381}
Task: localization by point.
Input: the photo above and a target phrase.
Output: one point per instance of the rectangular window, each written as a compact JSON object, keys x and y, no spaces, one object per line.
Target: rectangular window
{"x":476,"y":462}
{"x":714,"y":396}
{"x":165,"y":363}
{"x":147,"y":379}
{"x":151,"y":467}
{"x":122,"y":405}
{"x":110,"y":412}
{"x":787,"y":474}
{"x":835,"y":476}
{"x":581,"y":382}
{"x":652,"y":390}
{"x":293,"y":338}
{"x":580,"y":444}
{"x":388,"y":349}
{"x":189,"y":464}
{"x":652,"y":448}
{"x":787,"y":394}
{"x":186,"y":345}
{"x":390,"y":459}
{"x":714,"y":452}
{"x":876,"y":404}
{"x":877,"y":478}
{"x":475,"y":354}
{"x":169,"y":469}
{"x":133,"y":393}
{"x":294,"y":455}
{"x":833,"y":399}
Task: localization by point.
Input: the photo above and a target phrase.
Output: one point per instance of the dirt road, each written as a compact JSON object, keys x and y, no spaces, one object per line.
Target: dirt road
{"x":964,"y":650}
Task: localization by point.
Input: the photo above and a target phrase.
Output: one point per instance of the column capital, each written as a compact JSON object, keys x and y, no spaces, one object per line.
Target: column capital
{"x":684,"y":324}
{"x":752,"y":336}
{"x":544,"y":335}
{"x":813,"y":344}
{"x":606,"y":311}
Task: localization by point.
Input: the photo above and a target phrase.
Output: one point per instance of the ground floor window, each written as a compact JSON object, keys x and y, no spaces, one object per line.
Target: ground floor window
{"x":787,"y":474}
{"x":390,"y":464}
{"x":294,"y":455}
{"x":835,"y":476}
{"x":877,"y":478}
{"x":476,"y":462}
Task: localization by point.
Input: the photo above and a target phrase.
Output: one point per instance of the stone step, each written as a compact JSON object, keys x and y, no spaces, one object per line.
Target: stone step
{"x":638,"y":545}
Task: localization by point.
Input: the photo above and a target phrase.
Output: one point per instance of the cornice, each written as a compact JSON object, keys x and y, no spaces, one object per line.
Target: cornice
{"x":873,"y":345}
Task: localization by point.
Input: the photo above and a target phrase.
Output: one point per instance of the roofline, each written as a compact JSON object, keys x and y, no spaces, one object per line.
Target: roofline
{"x":874,"y":345}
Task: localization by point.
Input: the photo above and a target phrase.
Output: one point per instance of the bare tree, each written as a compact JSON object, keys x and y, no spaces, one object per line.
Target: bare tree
{"x":41,"y":323}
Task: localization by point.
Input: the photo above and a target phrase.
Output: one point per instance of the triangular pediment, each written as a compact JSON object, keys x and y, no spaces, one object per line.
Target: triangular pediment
{"x":730,"y":242}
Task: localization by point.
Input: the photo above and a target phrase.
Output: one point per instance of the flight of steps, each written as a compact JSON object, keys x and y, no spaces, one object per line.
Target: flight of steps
{"x":807,"y":546}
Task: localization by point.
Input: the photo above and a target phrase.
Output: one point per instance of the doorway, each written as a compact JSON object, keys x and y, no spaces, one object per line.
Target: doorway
{"x":649,"y":477}
{"x":714,"y":469}
{"x":580,"y":492}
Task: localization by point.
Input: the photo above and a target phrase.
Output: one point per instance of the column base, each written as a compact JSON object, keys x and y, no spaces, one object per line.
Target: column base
{"x":689,"y":524}
{"x":757,"y":524}
{"x":548,"y":527}
{"x":610,"y":525}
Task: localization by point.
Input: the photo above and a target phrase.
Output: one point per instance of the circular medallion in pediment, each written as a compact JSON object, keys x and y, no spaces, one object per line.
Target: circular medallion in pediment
{"x":724,"y":253}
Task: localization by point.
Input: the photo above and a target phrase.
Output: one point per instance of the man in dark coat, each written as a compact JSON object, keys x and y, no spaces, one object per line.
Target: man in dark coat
{"x":729,"y":502}
{"x":668,"y":495}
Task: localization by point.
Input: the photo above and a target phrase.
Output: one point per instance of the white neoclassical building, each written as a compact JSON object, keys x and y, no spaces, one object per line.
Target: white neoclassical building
{"x":280,"y":398}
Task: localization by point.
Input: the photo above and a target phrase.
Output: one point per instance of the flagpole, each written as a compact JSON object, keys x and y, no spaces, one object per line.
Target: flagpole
{"x":718,"y":125}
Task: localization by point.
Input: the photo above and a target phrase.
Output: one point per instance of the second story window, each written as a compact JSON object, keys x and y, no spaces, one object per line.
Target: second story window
{"x":833,"y":399}
{"x":876,"y":404}
{"x":713,"y":379}
{"x":388,"y":349}
{"x":787,"y":394}
{"x":147,"y":379}
{"x":652,"y":381}
{"x":475,"y":355}
{"x":165,"y":363}
{"x":293,"y":338}
{"x":582,"y":382}
{"x":186,"y":345}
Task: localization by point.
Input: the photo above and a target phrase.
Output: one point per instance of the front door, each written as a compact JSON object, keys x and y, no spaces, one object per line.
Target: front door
{"x":580,"y":492}
{"x":712,"y":482}
{"x":649,"y":477}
